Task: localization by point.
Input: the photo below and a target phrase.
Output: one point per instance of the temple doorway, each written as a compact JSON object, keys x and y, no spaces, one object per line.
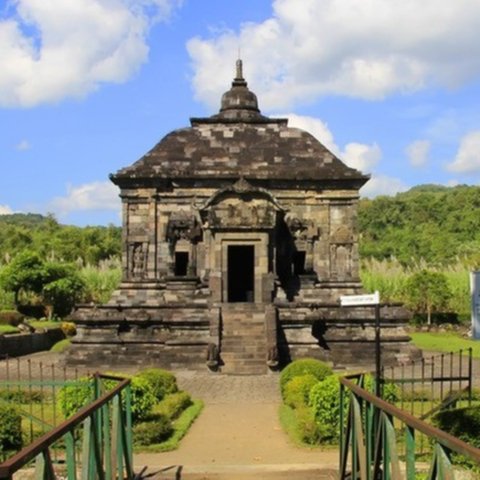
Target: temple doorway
{"x":241,"y":273}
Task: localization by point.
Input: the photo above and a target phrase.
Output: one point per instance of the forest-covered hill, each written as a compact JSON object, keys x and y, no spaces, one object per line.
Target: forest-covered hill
{"x":430,"y":222}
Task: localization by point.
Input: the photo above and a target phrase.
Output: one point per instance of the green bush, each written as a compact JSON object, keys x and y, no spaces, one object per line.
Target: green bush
{"x":463,"y":423}
{"x":73,"y":397}
{"x":10,"y":429}
{"x":174,"y":404}
{"x":309,"y":431}
{"x":325,"y":403}
{"x":298,"y":389}
{"x":156,"y":430}
{"x":161,"y":381}
{"x":143,"y":398}
{"x":11,"y":317}
{"x":391,"y":391}
{"x":304,"y":366}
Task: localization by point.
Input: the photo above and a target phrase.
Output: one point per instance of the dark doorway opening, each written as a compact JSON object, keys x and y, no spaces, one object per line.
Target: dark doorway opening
{"x":299,"y":262}
{"x":241,"y":273}
{"x":181,"y":264}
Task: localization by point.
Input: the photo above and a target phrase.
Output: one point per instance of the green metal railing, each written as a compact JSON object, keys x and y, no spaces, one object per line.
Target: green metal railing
{"x":97,"y":440}
{"x":378,"y":440}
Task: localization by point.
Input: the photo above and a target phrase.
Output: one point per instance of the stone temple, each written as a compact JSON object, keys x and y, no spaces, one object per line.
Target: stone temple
{"x":239,"y":236}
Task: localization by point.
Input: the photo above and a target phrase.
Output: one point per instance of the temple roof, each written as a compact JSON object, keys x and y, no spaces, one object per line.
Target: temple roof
{"x":240,"y":142}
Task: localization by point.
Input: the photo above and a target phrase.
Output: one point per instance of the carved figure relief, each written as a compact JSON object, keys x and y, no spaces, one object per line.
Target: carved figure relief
{"x":182,"y":226}
{"x":138,"y":260}
{"x":341,"y":261}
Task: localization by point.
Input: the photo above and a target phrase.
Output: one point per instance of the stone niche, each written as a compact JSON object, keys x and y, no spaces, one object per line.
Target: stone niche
{"x":239,"y":237}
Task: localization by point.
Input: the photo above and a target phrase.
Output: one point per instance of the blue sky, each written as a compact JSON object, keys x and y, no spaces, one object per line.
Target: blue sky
{"x":88,"y":86}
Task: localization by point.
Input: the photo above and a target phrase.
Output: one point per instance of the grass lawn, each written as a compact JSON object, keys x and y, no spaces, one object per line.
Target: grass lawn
{"x":6,"y":329}
{"x":444,"y":342}
{"x":47,"y":324}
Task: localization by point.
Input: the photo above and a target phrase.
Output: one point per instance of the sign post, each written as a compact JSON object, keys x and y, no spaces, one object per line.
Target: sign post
{"x":374,"y":300}
{"x":475,"y":293}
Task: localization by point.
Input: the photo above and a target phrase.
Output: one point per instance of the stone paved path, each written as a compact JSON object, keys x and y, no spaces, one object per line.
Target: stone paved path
{"x":238,"y":434}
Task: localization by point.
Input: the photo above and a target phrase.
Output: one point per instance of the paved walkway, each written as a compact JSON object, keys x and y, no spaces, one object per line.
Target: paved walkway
{"x":238,"y":434}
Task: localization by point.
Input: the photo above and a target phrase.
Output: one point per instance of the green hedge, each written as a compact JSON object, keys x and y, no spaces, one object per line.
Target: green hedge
{"x":10,"y":428}
{"x":304,"y":366}
{"x":155,"y":430}
{"x":174,"y":404}
{"x":297,"y":390}
{"x":161,"y":381}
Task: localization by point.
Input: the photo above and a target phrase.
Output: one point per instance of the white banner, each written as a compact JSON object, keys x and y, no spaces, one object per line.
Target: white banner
{"x":475,"y":292}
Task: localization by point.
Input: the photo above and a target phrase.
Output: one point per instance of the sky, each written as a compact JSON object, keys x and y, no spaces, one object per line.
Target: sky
{"x":89,"y":86}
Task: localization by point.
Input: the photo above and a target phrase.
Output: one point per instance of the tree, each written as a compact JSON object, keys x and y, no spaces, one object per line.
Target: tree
{"x":24,"y":273}
{"x":58,"y":284}
{"x":427,"y":292}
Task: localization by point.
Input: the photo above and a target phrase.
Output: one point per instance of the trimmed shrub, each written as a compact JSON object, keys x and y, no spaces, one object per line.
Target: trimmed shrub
{"x":318,"y":369}
{"x":174,"y":404}
{"x":11,"y":317}
{"x":161,"y":381}
{"x":73,"y":397}
{"x":298,"y":389}
{"x":156,"y":430}
{"x":325,"y":403}
{"x":10,"y":429}
{"x":309,"y":430}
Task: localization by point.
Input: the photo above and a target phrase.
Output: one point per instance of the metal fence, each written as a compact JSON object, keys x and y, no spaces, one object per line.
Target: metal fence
{"x":34,"y":388}
{"x":433,"y":383}
{"x":379,"y":440}
{"x":96,"y":442}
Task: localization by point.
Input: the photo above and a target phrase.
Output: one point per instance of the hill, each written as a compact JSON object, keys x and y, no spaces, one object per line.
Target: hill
{"x":435,"y":223}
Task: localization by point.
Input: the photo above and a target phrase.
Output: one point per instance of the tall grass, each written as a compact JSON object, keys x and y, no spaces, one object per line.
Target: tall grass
{"x":389,"y":277}
{"x":101,"y":281}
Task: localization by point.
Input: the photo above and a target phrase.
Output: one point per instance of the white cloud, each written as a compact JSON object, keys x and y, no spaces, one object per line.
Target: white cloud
{"x":417,"y":152}
{"x":314,"y":126}
{"x":361,"y":156}
{"x":5,"y":210}
{"x":467,"y":159}
{"x":23,"y":145}
{"x":360,"y":48}
{"x":90,"y":196}
{"x":52,"y":50}
{"x":382,"y":185}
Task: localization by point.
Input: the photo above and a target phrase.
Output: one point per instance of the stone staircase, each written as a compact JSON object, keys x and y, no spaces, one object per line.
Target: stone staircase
{"x":244,"y":339}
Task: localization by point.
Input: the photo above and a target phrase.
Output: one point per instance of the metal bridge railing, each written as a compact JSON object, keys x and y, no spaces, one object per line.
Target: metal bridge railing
{"x":373,"y":431}
{"x":96,"y":441}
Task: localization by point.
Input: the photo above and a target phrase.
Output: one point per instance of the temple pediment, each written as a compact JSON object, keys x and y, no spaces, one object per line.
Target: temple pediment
{"x":241,"y":206}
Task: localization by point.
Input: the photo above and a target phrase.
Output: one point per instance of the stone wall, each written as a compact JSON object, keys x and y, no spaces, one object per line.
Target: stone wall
{"x":26,"y":343}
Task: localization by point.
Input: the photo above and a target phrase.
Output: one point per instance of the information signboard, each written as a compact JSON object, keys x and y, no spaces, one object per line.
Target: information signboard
{"x":359,"y":300}
{"x":475,"y":292}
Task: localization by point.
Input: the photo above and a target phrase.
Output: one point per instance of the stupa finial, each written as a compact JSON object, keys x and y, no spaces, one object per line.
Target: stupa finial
{"x":239,"y":65}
